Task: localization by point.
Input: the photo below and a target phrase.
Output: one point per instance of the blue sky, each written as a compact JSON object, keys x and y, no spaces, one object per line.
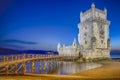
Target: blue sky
{"x":41,"y":24}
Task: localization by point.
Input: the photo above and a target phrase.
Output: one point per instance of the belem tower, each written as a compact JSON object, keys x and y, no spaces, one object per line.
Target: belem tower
{"x":93,"y":36}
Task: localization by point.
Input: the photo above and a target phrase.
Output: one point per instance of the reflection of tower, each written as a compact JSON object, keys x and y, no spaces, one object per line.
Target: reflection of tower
{"x":58,"y":47}
{"x":94,"y":29}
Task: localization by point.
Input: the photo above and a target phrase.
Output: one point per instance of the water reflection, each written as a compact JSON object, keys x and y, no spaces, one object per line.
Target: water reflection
{"x":64,"y":68}
{"x":74,"y":67}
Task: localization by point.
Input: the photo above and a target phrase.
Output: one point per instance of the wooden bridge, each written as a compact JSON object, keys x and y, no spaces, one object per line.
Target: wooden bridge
{"x":12,"y":64}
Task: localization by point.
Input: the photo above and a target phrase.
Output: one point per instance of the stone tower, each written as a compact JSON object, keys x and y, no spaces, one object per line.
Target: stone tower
{"x":94,"y":29}
{"x":93,"y":36}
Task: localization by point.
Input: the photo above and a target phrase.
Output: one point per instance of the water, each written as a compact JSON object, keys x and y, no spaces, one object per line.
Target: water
{"x":64,"y":68}
{"x":74,"y":67}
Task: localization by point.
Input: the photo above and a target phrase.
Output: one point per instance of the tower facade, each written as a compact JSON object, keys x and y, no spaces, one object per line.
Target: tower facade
{"x":94,"y":28}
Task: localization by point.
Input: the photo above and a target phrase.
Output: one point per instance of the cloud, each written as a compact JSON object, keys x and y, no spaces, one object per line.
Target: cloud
{"x":18,"y":41}
{"x":16,"y":44}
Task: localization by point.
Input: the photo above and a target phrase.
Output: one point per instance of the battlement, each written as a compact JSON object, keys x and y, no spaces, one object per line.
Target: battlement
{"x":93,"y":13}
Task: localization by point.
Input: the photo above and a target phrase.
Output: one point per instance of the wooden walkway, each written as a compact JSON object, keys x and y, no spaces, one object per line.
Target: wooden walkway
{"x":14,"y":63}
{"x":14,"y":60}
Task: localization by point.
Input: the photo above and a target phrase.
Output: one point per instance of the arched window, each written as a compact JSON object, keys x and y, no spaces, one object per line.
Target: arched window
{"x":101,"y":41}
{"x":85,"y":27}
{"x":85,"y":42}
{"x":85,"y":34}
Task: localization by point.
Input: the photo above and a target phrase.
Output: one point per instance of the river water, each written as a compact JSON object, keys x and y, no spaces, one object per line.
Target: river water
{"x":64,"y":68}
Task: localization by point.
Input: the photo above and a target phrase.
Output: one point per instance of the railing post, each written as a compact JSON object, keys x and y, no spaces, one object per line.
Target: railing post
{"x":40,"y":65}
{"x":28,"y":55}
{"x":18,"y":57}
{"x":1,"y":58}
{"x":6,"y":67}
{"x":37,"y":56}
{"x":52,"y":63}
{"x":4,"y":58}
{"x":33,"y":66}
{"x":44,"y":64}
{"x":12,"y":58}
{"x":55,"y":62}
{"x":23,"y":56}
{"x":24,"y":63}
{"x":32,"y":55}
{"x":24,"y":67}
{"x":49,"y":64}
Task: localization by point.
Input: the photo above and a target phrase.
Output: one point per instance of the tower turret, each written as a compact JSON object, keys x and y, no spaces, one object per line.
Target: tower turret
{"x":93,"y":5}
{"x":74,"y":43}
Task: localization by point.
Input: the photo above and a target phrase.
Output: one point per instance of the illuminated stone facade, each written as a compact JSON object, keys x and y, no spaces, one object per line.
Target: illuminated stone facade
{"x":93,"y":36}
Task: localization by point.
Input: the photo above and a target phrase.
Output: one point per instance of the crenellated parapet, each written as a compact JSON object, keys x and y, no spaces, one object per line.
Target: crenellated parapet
{"x":93,"y":13}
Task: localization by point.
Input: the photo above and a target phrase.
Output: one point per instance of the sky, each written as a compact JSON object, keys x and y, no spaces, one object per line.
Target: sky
{"x":42,"y":24}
